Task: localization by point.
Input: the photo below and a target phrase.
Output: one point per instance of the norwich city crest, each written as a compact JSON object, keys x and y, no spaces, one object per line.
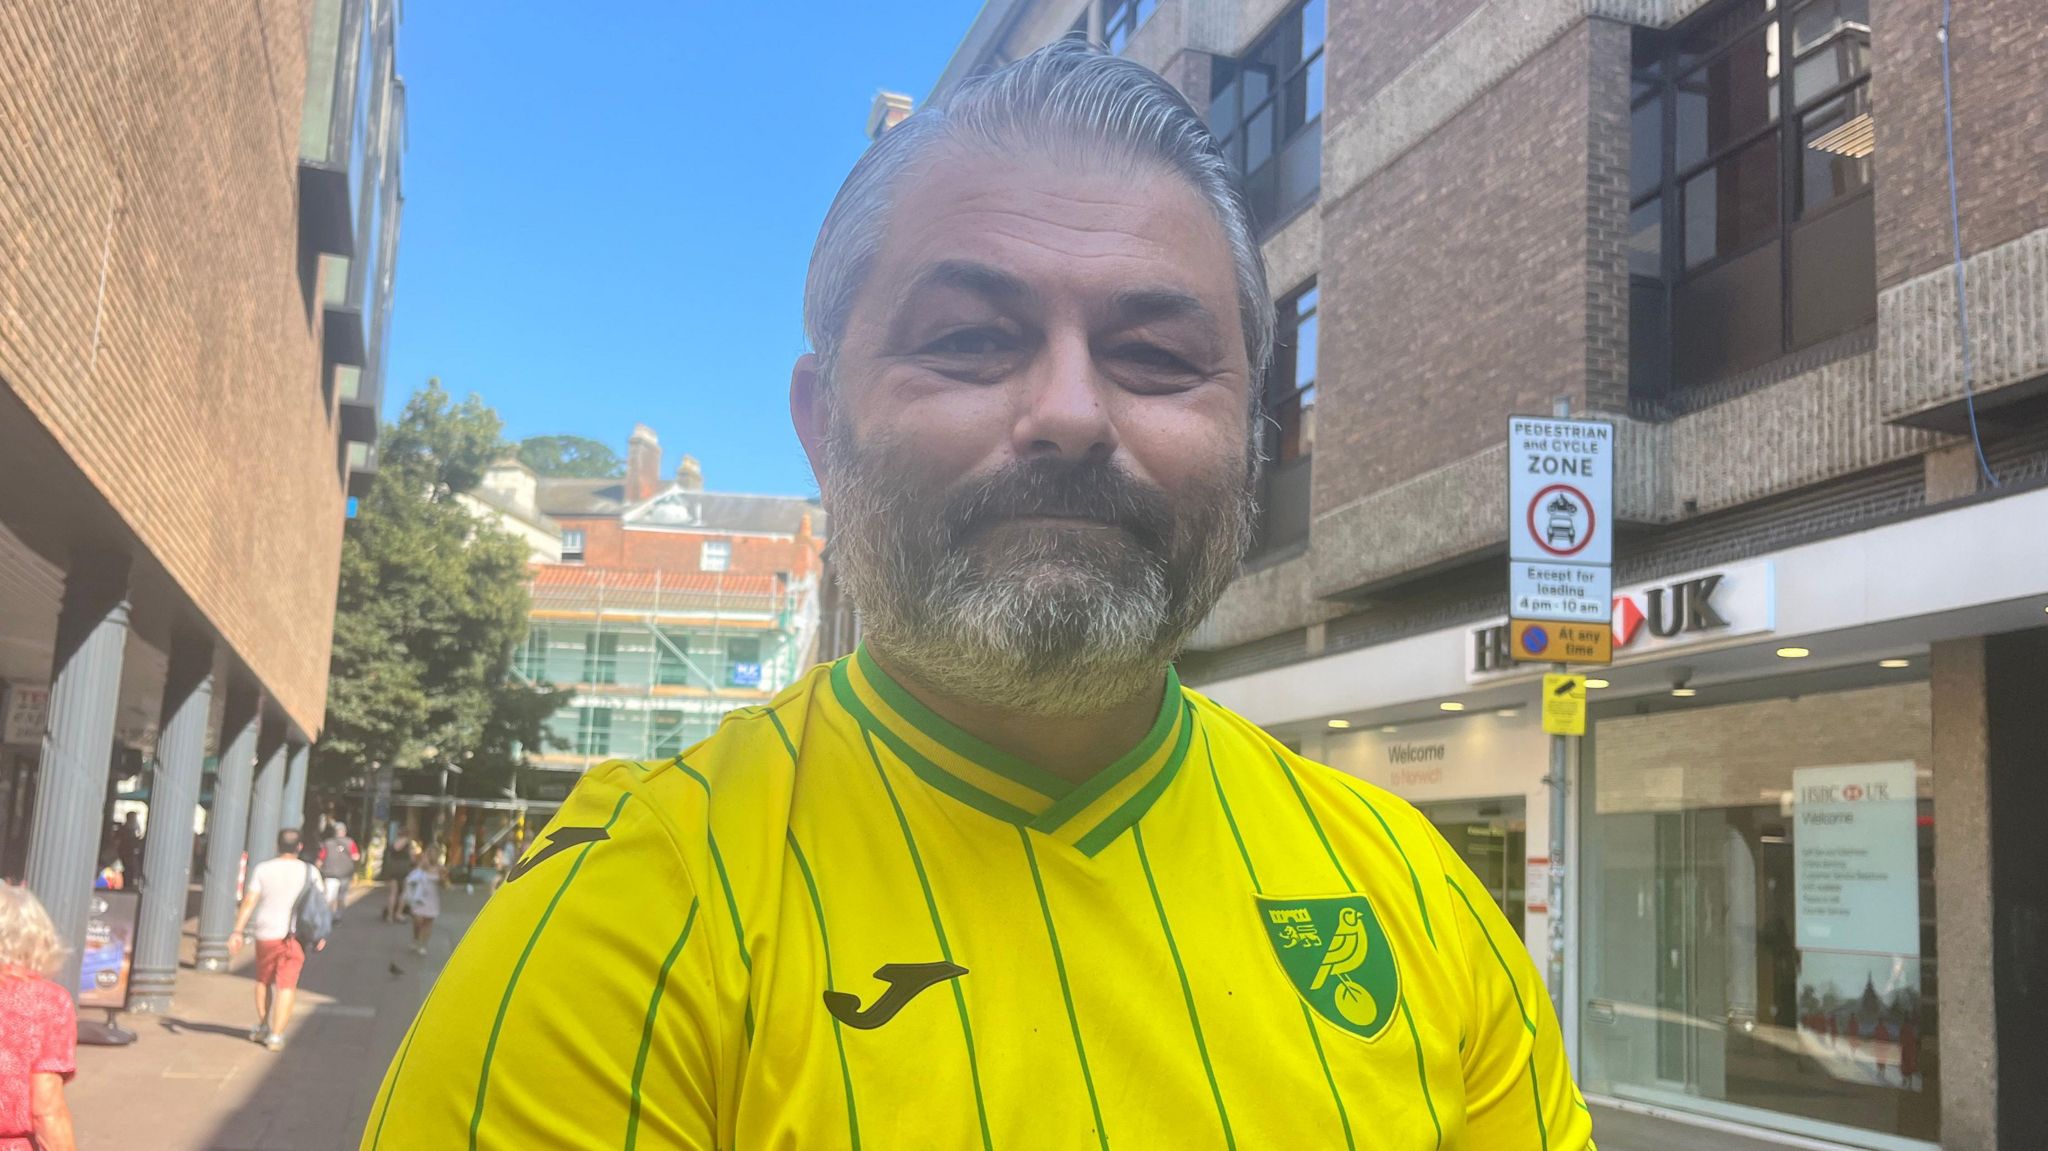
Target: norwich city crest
{"x":1336,"y":954}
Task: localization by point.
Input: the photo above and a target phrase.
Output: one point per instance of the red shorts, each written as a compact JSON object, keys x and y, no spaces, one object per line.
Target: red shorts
{"x":278,"y":961}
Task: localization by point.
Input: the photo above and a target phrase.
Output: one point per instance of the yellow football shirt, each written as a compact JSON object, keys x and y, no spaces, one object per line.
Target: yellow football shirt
{"x":843,"y":922}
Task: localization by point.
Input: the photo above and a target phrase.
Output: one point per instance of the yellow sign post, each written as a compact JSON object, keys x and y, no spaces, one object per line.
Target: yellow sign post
{"x":1564,"y":704}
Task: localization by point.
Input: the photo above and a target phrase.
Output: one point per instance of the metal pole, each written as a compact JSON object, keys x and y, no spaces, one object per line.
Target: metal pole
{"x":226,"y":824}
{"x":173,"y":799}
{"x":1560,"y":806}
{"x":71,"y":788}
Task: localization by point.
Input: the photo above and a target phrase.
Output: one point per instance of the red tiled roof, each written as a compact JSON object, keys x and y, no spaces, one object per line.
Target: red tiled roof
{"x":580,"y":576}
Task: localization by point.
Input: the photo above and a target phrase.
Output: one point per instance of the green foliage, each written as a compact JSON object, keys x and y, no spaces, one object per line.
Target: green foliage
{"x":431,"y":605}
{"x":571,"y":457}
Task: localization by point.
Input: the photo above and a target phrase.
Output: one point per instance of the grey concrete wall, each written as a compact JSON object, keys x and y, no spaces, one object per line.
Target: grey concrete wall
{"x":1962,"y":898}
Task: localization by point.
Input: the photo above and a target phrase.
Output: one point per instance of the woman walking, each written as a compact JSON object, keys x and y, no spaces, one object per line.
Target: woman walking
{"x":423,"y":899}
{"x":38,"y":1029}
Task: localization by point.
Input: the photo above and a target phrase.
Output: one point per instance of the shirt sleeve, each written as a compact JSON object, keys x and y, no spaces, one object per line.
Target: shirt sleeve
{"x":578,"y":1013}
{"x":1518,"y":1083}
{"x":57,"y":1050}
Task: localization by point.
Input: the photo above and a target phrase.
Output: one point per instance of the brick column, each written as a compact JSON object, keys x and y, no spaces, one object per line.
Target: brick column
{"x":1962,"y":895}
{"x":71,"y":790}
{"x":173,"y":800}
{"x":226,"y":823}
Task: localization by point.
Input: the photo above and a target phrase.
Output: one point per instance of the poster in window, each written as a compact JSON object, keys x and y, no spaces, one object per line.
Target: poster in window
{"x":1856,"y":874}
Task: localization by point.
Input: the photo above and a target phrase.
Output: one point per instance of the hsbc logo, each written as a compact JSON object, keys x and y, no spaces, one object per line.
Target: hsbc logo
{"x":1682,"y":610}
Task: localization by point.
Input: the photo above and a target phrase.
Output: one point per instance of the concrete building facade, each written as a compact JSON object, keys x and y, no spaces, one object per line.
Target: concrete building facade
{"x":1725,"y":227}
{"x":193,"y":295}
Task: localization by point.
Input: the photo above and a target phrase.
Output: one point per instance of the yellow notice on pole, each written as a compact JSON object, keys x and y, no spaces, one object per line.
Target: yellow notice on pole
{"x":1564,"y":704}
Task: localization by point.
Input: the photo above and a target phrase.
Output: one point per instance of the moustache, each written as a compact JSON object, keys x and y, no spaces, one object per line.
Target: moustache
{"x":1097,"y":490}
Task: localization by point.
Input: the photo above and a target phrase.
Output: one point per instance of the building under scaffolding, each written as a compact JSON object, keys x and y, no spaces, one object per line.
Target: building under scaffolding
{"x":655,"y":658}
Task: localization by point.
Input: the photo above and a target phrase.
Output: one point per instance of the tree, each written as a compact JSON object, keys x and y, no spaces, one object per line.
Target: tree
{"x":570,"y":457}
{"x":432,"y":603}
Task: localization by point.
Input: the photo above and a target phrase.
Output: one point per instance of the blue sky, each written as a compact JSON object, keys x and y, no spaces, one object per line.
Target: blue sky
{"x":608,"y":214}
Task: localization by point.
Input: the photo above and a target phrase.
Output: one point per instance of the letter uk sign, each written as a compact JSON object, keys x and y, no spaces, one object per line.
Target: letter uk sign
{"x":1560,"y":528}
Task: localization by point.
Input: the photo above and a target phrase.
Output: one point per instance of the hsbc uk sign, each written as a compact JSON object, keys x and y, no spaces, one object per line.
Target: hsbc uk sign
{"x":1649,"y":619}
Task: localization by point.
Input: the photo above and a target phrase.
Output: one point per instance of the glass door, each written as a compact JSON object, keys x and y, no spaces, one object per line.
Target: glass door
{"x":1491,"y":836}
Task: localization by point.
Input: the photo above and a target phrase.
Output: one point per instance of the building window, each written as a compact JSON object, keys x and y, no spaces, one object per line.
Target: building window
{"x":600,"y":657}
{"x":743,"y":661}
{"x":1266,"y":110}
{"x":1287,"y":427}
{"x":1752,"y":229}
{"x":1759,"y":933}
{"x":716,"y":556}
{"x":594,"y":731}
{"x":572,"y":545}
{"x":1121,"y":19}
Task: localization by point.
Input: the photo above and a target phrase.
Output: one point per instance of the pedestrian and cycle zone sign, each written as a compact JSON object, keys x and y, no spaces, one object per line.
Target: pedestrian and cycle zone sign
{"x":1561,"y":539}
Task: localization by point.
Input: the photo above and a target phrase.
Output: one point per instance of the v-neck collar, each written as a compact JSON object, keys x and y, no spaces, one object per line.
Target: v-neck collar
{"x":1086,"y":815}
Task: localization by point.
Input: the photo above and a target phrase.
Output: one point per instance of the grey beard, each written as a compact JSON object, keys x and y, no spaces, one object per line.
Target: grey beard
{"x":1052,"y":623}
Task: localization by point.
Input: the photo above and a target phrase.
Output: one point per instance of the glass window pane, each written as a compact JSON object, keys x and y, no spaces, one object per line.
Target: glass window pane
{"x":1733,"y":204}
{"x":1817,"y":22}
{"x":1305,"y":353}
{"x":1282,"y":49}
{"x":1727,"y":100}
{"x":1312,"y":29}
{"x":1646,"y":239}
{"x":1223,"y":98}
{"x":1258,"y":139}
{"x":1301,"y":168}
{"x":1304,"y":97}
{"x":1305,"y":303}
{"x":1835,"y":143}
{"x":1256,"y":81}
{"x":1645,"y":147}
{"x":1846,"y":58}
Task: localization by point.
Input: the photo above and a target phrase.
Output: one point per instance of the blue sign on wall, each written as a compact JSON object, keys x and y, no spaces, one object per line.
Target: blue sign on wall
{"x":746,"y":674}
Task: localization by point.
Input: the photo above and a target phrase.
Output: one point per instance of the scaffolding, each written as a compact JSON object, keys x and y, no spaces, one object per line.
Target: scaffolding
{"x":653,"y":659}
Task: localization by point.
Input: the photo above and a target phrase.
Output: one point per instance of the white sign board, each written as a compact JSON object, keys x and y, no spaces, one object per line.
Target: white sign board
{"x":28,"y":712}
{"x":1561,"y":491}
{"x":1568,"y":593}
{"x":1856,"y":861}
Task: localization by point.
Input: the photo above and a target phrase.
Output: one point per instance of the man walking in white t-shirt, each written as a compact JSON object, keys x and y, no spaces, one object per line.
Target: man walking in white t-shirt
{"x":273,"y":890}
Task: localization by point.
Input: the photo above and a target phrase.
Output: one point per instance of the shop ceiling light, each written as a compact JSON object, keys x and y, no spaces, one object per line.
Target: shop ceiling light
{"x":1895,"y":663}
{"x":1340,"y":724}
{"x":1793,"y":653}
{"x":1450,"y":705}
{"x":1683,"y":692}
{"x":1508,"y":712}
{"x":1389,"y":729}
{"x":1596,"y":683}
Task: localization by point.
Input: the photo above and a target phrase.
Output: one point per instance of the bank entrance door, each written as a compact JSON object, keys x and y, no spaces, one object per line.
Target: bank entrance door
{"x":1491,"y":836}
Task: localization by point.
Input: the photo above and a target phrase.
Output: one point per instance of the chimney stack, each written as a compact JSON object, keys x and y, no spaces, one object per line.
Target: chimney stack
{"x":690,"y":475}
{"x":643,"y":464}
{"x":888,"y":110}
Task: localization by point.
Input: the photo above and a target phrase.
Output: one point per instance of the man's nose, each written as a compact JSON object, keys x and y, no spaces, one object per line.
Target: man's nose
{"x":1063,"y":410}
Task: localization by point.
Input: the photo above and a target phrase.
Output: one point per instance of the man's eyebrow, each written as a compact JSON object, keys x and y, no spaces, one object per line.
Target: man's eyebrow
{"x":983,"y":280}
{"x":1143,"y":305}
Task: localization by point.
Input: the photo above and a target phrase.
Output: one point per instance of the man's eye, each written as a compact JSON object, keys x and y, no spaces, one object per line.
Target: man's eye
{"x":971,"y":342}
{"x":1152,"y":356}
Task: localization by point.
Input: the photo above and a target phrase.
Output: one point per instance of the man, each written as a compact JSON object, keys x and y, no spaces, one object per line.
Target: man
{"x":397,"y":864}
{"x":269,"y":897}
{"x":338,"y":856}
{"x":997,"y":880}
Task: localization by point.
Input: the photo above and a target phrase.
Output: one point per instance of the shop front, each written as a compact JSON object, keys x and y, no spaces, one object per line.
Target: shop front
{"x":1787,"y":913}
{"x":1479,"y":780}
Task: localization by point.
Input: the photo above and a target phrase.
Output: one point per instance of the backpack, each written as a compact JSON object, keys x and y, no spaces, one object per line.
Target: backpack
{"x":312,"y":918}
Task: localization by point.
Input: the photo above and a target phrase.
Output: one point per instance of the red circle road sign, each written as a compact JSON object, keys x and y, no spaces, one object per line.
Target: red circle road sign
{"x":1565,"y":521}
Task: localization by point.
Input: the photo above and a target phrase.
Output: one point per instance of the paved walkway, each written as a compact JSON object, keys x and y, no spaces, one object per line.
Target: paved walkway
{"x":194,"y":1082}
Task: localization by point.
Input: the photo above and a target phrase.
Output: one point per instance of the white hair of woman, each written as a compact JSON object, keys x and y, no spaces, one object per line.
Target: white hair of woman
{"x":28,"y":940}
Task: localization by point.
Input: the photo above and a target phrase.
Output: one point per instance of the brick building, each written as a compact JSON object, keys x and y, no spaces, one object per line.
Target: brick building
{"x":664,"y":606}
{"x":1724,"y":226}
{"x":198,"y":226}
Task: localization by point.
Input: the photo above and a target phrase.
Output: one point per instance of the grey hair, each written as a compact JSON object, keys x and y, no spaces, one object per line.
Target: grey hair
{"x":1067,"y":94}
{"x":28,"y":940}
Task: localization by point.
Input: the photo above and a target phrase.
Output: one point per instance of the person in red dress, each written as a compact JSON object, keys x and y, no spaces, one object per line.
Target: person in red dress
{"x":38,"y":1029}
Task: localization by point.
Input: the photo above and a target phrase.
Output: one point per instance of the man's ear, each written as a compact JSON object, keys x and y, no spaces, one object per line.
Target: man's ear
{"x":807,"y":410}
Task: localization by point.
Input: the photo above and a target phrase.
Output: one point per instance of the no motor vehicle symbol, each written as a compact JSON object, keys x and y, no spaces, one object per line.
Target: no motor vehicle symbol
{"x":1561,"y":520}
